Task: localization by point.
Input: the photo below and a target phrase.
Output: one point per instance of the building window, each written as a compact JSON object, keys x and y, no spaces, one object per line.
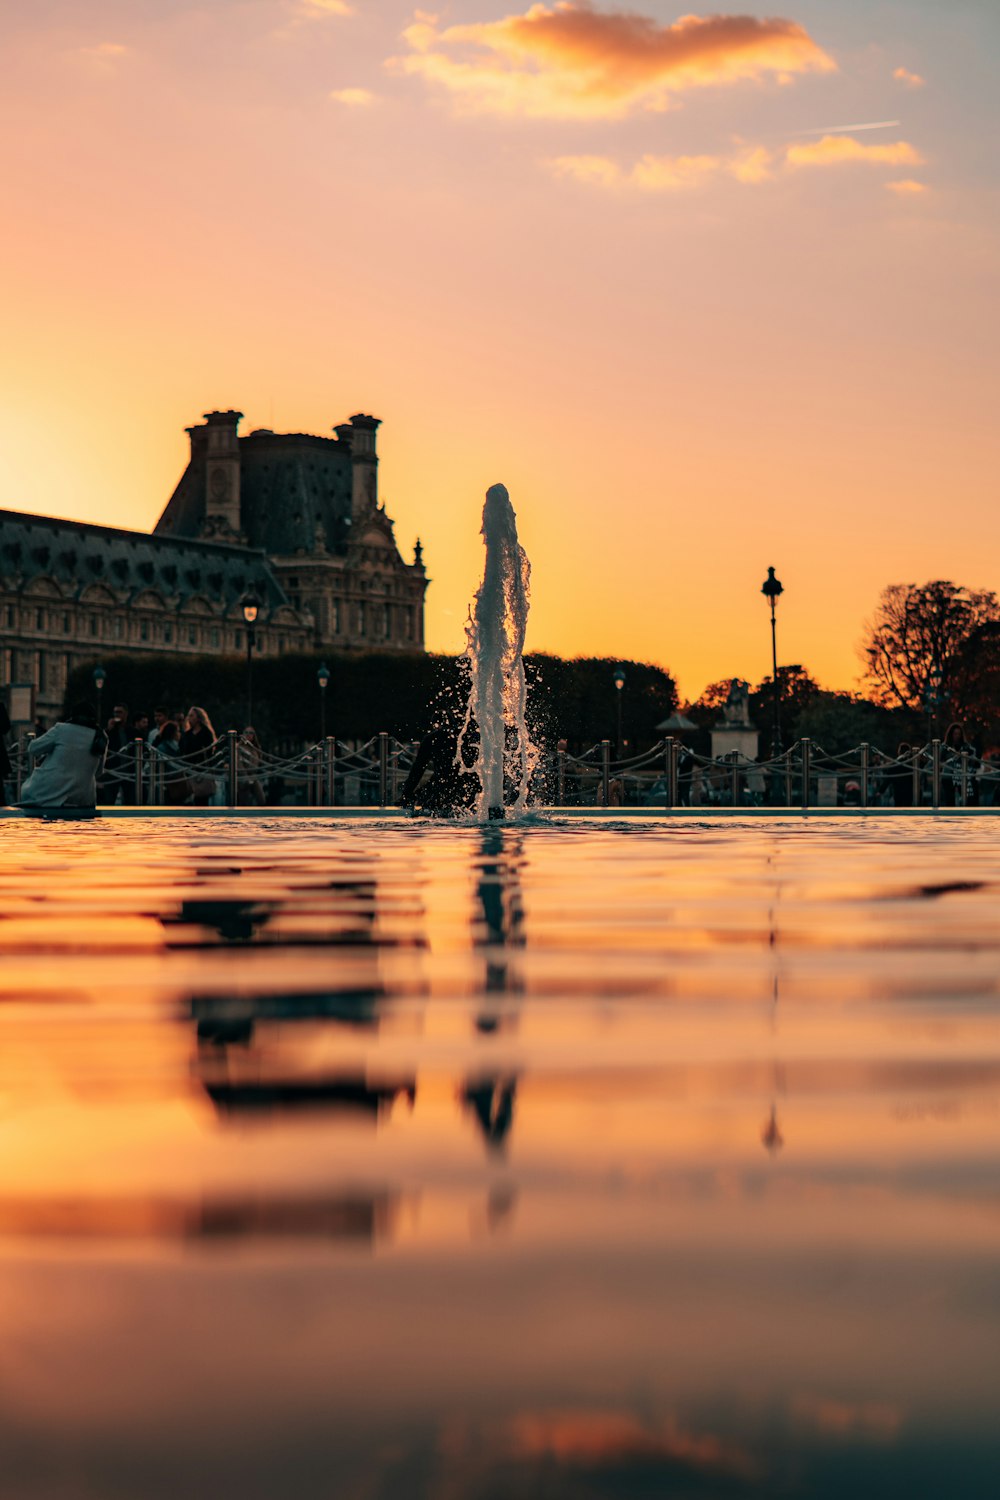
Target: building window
{"x":10,"y":615}
{"x":215,"y":637}
{"x":143,"y":630}
{"x":116,"y":628}
{"x":361,"y":618}
{"x":336,"y":617}
{"x":93,"y":624}
{"x":168,"y":635}
{"x":66,"y":625}
{"x":192,"y":636}
{"x":386,"y":621}
{"x":39,"y":619}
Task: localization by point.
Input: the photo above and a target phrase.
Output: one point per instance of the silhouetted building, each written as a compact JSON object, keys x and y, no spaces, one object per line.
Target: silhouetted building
{"x":291,"y":517}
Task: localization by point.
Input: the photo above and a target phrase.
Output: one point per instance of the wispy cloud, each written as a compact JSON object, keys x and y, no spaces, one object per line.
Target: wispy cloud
{"x":851,"y":129}
{"x":570,"y":60}
{"x":317,"y":9}
{"x":907,"y":187}
{"x":749,"y":164}
{"x":353,"y":98}
{"x":105,"y":52}
{"x":912,"y":80}
{"x":667,"y":174}
{"x":834,"y":150}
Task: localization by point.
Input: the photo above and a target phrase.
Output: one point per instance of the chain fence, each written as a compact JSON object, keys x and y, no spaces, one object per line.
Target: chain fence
{"x":331,"y":773}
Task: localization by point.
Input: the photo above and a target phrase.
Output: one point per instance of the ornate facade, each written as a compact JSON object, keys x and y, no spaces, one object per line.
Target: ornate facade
{"x":292,"y":518}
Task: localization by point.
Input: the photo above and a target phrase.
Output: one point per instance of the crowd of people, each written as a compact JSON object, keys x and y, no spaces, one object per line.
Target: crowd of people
{"x":79,"y":762}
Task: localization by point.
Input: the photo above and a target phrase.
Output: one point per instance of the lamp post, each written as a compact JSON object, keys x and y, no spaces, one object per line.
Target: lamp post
{"x":323,"y":678}
{"x":100,"y":678}
{"x":771,"y":589}
{"x":619,"y":681}
{"x":932,"y":698}
{"x":251,"y":609}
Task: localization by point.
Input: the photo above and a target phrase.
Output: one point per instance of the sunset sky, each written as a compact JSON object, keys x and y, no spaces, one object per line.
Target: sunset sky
{"x":658,"y":273}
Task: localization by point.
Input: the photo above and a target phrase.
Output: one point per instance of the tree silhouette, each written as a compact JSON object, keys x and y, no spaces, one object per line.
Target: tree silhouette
{"x":918,"y":632}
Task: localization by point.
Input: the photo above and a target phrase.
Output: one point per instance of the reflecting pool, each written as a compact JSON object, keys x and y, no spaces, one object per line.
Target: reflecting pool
{"x":558,"y":1160}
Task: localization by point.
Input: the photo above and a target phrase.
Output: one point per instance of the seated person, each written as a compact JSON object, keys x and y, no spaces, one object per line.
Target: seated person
{"x":66,"y":761}
{"x":454,"y":785}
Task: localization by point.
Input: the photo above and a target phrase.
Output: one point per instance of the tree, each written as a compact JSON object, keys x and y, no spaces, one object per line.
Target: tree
{"x":796,"y":690}
{"x":919,"y":632}
{"x":977,"y":683}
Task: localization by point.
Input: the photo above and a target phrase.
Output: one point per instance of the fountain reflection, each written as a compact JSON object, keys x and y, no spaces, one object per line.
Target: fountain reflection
{"x":489,"y":1095}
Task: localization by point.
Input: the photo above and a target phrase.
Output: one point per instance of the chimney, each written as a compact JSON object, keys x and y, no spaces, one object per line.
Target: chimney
{"x":364,"y":460}
{"x":215,"y":448}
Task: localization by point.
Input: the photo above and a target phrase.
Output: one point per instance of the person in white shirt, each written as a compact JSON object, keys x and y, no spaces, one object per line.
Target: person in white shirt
{"x":66,"y":761}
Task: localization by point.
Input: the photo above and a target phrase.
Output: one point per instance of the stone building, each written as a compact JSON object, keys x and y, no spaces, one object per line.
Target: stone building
{"x":291,"y":518}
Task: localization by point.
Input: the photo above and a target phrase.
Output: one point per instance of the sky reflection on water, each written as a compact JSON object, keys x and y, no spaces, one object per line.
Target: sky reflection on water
{"x":458,"y":1163}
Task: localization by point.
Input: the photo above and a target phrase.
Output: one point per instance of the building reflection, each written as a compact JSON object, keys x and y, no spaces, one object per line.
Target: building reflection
{"x":350,"y":901}
{"x":243,"y":1072}
{"x":356,"y":1216}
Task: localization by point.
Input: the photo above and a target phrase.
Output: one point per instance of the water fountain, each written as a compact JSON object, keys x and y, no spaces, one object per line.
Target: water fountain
{"x":495,"y":634}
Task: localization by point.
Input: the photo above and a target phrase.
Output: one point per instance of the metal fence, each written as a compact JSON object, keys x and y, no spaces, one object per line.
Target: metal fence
{"x":234,"y":773}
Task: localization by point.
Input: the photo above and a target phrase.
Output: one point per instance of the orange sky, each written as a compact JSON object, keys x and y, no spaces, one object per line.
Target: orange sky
{"x":633,"y":267}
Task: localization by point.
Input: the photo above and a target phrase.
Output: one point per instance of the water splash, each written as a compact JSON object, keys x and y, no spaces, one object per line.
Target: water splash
{"x":495,"y":634}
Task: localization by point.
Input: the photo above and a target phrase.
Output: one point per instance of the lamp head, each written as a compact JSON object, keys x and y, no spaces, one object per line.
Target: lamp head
{"x":323,"y":677}
{"x":772,"y":587}
{"x":619,"y":679}
{"x":251,"y":608}
{"x":100,"y":678}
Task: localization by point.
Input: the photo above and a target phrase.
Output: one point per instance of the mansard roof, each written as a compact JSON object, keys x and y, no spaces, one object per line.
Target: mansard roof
{"x":77,"y":553}
{"x":291,"y":484}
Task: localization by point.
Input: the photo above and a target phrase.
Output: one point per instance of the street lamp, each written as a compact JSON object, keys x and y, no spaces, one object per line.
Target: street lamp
{"x":771,"y":588}
{"x":100,"y":678}
{"x":932,"y":698}
{"x":619,"y":681}
{"x":323,"y":678}
{"x":251,"y":609}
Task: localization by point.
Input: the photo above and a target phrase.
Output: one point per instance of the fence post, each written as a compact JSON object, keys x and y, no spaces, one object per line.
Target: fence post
{"x":965,"y":778}
{"x":916,"y":754}
{"x":606,"y":771}
{"x":232,"y":768}
{"x":137,"y":769}
{"x":806,"y":768}
{"x":864,"y":775}
{"x":560,"y":776}
{"x":935,"y":774}
{"x":734,"y":779}
{"x":331,"y":763}
{"x":383,"y":767}
{"x":669,"y":799}
{"x":788,"y":777}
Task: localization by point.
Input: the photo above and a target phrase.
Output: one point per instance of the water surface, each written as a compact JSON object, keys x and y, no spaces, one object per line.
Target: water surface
{"x":462,"y":1163}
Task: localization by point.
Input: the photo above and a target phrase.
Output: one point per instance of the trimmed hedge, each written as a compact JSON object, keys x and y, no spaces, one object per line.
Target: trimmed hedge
{"x":574,"y":700}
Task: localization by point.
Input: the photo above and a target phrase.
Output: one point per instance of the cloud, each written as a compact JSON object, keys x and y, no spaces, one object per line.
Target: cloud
{"x":833,"y":150}
{"x":569,"y":60}
{"x":907,"y":187}
{"x":912,"y":80}
{"x":748,"y":164}
{"x":106,"y":52}
{"x":667,"y":174}
{"x":353,"y":98}
{"x":317,"y":9}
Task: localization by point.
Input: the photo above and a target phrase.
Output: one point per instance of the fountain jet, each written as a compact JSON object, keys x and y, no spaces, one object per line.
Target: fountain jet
{"x":494,"y":644}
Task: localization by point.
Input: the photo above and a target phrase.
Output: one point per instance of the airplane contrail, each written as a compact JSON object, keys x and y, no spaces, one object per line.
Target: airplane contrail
{"x":848,"y":129}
